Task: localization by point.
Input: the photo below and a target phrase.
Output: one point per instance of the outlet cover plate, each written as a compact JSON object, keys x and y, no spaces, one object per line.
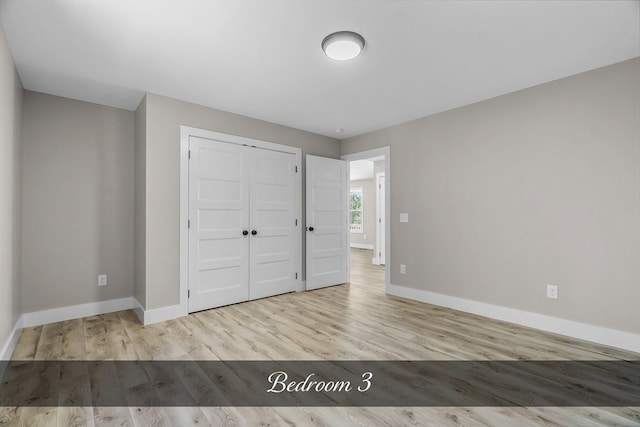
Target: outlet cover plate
{"x":552,"y":291}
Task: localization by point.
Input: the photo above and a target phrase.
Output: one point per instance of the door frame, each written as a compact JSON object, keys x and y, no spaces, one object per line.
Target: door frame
{"x":380,"y":213}
{"x":363,"y":155}
{"x":185,"y":133}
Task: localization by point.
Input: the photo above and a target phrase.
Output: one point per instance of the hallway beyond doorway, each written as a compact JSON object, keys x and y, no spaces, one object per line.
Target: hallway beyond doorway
{"x":363,"y":272}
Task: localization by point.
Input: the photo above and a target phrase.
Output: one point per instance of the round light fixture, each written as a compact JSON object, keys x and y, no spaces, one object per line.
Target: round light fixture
{"x":343,"y":45}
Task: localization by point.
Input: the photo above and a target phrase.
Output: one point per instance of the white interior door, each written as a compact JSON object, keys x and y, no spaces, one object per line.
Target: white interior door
{"x":219,"y":216}
{"x":380,"y":226}
{"x":273,"y":223}
{"x":327,"y":228}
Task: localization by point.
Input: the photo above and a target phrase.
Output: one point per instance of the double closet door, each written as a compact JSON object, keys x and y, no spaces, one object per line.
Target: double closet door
{"x":242,"y":223}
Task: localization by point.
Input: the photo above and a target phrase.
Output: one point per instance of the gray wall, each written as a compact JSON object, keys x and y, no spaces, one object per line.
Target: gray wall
{"x":140,"y":212}
{"x":77,"y":205}
{"x":10,"y":129}
{"x":537,"y":187}
{"x":368,"y":212}
{"x":162,"y":204}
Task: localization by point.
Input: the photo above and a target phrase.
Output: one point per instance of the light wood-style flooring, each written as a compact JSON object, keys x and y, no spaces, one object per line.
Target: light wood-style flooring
{"x":357,"y":321}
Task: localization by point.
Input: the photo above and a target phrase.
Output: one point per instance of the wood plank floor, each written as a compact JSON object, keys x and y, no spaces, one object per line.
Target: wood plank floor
{"x":347,"y":322}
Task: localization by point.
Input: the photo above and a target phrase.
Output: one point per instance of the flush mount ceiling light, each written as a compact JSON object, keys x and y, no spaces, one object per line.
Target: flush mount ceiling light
{"x":343,"y":45}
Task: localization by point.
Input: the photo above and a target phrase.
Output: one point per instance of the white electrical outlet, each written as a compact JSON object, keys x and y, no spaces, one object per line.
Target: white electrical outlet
{"x":102,"y":280}
{"x":552,"y":291}
{"x":403,"y":269}
{"x":404,"y":217}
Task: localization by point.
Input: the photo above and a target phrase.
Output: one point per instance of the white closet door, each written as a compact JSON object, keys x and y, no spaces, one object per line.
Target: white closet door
{"x":272,"y":215}
{"x":327,"y":250}
{"x":219,"y":213}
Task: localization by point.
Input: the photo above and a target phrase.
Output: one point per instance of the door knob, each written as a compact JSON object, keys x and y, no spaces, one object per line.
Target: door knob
{"x":310,"y":228}
{"x":254,"y":232}
{"x":245,"y":232}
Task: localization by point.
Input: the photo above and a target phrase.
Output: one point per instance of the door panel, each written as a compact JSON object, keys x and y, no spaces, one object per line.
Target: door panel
{"x":218,"y":208}
{"x":272,"y":213}
{"x":327,"y":243}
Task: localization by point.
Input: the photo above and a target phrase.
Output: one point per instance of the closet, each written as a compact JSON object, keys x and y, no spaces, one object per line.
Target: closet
{"x":244,"y":224}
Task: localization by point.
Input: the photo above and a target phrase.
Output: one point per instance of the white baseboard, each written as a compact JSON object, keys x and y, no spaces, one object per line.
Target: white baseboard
{"x":76,"y":311}
{"x":138,"y":309}
{"x":597,"y":334}
{"x":361,"y":246}
{"x":10,"y":345}
{"x":156,"y":315}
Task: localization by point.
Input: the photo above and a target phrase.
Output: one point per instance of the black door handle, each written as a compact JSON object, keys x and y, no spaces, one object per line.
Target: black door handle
{"x":245,"y":232}
{"x":254,"y":232}
{"x":310,"y":228}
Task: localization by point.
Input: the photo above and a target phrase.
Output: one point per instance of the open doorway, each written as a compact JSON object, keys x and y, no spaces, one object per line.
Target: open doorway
{"x":368,"y":218}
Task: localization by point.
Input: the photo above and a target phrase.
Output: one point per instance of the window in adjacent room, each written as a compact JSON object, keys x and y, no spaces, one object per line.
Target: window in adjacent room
{"x":355,"y":211}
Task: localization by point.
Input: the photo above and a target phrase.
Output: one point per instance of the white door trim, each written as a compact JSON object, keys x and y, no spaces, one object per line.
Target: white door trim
{"x":386,"y":152}
{"x":185,"y":133}
{"x":380,"y":214}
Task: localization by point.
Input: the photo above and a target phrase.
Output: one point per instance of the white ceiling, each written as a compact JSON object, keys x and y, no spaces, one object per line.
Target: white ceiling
{"x":263,"y":59}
